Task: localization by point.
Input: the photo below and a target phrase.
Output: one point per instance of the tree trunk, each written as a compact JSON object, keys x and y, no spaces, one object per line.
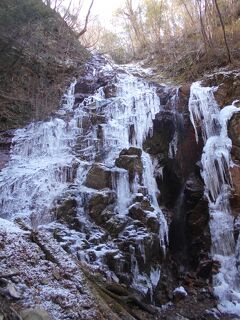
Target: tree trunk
{"x":86,"y":21}
{"x":224,"y":32}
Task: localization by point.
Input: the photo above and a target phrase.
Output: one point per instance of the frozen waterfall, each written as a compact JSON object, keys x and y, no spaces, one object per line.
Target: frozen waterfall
{"x":50,"y":160}
{"x":216,"y":161}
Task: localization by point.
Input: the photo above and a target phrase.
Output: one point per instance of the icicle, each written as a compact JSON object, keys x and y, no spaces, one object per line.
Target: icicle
{"x":216,"y":161}
{"x":39,"y":167}
{"x":121,"y":185}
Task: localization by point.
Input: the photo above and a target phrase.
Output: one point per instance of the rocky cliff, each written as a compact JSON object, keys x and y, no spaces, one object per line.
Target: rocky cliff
{"x":82,"y":192}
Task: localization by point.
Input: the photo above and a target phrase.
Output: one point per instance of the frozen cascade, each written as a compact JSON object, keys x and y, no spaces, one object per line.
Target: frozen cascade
{"x":173,"y":145}
{"x":134,"y":107}
{"x":40,"y":167}
{"x":216,"y":162}
{"x":50,"y":158}
{"x":121,"y":185}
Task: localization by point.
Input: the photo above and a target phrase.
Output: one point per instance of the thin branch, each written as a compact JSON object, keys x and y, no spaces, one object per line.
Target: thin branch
{"x":224,"y":31}
{"x":86,"y":21}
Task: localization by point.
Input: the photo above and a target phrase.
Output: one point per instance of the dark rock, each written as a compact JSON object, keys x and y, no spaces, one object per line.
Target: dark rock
{"x":164,"y":94}
{"x":66,"y":211}
{"x":93,"y":78}
{"x":110,"y":91}
{"x":228,"y":86}
{"x":35,"y":314}
{"x":146,"y":205}
{"x":153,"y":224}
{"x":99,"y":177}
{"x":163,"y":131}
{"x":97,"y":119}
{"x":185,"y":90}
{"x":194,"y":189}
{"x":234,"y":135}
{"x":132,"y":151}
{"x":198,"y":233}
{"x":115,"y":225}
{"x":137,"y":213}
{"x":131,"y":161}
{"x":98,"y":202}
{"x":5,"y":145}
{"x":179,"y":294}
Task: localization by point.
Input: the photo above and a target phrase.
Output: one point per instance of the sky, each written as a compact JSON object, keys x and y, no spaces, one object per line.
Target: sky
{"x":104,"y":9}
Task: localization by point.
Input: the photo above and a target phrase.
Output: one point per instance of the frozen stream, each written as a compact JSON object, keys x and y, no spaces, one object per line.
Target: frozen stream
{"x":216,"y":162}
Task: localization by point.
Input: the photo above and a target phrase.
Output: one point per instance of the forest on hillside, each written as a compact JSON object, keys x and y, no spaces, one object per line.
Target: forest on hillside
{"x":186,"y":37}
{"x":183,"y":37}
{"x":43,"y":43}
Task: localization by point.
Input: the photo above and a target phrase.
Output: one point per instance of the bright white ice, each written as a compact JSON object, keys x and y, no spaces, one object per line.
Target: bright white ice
{"x":44,"y":154}
{"x":216,"y":161}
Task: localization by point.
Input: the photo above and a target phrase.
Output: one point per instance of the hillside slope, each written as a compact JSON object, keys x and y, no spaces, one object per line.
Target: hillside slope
{"x":39,"y":55}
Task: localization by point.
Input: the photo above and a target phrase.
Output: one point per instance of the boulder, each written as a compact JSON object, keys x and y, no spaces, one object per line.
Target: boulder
{"x":132,"y":151}
{"x":110,"y":90}
{"x":97,"y":203}
{"x":99,"y":177}
{"x":137,"y":213}
{"x":35,"y":314}
{"x":130,"y":159}
{"x":66,"y":212}
{"x":153,"y":224}
{"x":179,"y":294}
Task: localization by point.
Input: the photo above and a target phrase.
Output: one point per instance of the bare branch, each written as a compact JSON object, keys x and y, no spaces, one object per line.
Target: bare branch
{"x":86,"y":20}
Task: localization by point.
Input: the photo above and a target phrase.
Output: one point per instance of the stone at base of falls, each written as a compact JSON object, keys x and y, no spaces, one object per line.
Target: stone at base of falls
{"x":179,"y":294}
{"x":66,"y":211}
{"x":7,"y":289}
{"x":99,"y":177}
{"x":35,"y":314}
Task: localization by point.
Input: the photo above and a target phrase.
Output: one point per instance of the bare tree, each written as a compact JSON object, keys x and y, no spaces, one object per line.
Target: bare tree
{"x":224,"y":32}
{"x":84,"y":29}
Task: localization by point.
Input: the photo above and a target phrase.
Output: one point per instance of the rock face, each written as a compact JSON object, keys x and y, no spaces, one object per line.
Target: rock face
{"x":99,"y":177}
{"x":228,"y":84}
{"x":234,"y":135}
{"x":130,"y":159}
{"x":121,"y":244}
{"x":5,"y":145}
